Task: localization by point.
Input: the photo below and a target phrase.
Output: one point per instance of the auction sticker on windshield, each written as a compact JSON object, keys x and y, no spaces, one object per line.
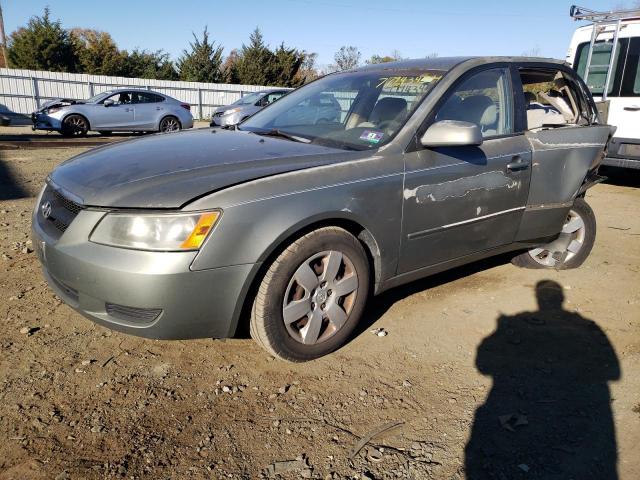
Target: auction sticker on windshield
{"x":371,"y":136}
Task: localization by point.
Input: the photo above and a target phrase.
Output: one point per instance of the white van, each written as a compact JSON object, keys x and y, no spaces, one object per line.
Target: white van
{"x":590,"y":53}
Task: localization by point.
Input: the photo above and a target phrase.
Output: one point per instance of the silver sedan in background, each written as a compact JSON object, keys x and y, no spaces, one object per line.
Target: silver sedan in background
{"x":245,"y":107}
{"x":124,"y":109}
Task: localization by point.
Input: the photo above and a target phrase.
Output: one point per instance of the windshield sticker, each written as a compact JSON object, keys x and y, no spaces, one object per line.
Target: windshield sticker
{"x":408,"y":84}
{"x":371,"y":136}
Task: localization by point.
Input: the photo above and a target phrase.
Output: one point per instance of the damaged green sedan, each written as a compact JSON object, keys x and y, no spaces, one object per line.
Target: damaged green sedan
{"x":289,"y":223}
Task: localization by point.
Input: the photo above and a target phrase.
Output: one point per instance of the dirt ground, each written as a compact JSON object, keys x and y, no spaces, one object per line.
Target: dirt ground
{"x":483,"y":373}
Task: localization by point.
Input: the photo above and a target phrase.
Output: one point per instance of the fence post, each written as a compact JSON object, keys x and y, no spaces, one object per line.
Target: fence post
{"x":36,"y":94}
{"x":91,"y":92}
{"x":200,"y":116}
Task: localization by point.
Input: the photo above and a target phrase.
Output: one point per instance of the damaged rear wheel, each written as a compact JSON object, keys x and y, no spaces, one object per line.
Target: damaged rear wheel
{"x":571,"y":248}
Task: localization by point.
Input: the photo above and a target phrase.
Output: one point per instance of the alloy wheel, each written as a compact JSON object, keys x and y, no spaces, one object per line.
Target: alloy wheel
{"x":566,"y":246}
{"x":320,"y":297}
{"x":170,"y":125}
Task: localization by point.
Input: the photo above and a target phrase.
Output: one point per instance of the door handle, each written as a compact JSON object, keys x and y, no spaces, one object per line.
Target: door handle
{"x":517,"y":163}
{"x":632,"y":108}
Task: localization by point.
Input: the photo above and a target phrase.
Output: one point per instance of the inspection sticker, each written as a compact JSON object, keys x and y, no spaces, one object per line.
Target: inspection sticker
{"x":371,"y":136}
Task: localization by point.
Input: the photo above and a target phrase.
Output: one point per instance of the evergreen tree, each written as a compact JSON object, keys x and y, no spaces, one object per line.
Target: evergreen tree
{"x":285,"y":67}
{"x":203,"y":63}
{"x":255,"y":63}
{"x":42,"y":45}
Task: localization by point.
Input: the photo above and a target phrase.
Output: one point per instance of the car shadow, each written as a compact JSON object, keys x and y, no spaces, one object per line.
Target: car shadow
{"x":10,"y":188}
{"x":548,"y":414}
{"x":622,"y":177}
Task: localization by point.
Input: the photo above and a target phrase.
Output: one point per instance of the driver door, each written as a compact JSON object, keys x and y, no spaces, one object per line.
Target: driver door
{"x":467,"y":199}
{"x":117,"y":116}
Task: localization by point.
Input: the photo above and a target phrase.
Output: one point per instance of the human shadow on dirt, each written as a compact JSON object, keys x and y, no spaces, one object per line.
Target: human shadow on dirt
{"x":548,"y":414}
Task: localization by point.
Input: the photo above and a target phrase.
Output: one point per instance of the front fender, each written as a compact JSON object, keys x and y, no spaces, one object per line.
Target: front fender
{"x":278,"y":207}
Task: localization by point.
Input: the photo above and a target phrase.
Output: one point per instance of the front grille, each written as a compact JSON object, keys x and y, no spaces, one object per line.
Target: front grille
{"x":132,"y":314}
{"x":61,"y":212}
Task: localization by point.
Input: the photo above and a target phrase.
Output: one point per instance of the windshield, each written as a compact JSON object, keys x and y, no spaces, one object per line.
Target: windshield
{"x":352,"y":110}
{"x":249,"y":99}
{"x":98,"y":97}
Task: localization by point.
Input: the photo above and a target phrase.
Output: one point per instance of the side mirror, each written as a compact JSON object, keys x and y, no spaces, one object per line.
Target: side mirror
{"x":108,"y":102}
{"x":452,"y":133}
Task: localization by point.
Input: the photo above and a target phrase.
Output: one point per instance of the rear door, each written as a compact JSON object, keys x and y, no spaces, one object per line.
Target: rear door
{"x":148,"y":109}
{"x":463,"y":200}
{"x":562,"y":155}
{"x":624,"y":111}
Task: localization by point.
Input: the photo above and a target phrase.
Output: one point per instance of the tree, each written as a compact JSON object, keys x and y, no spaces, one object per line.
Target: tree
{"x":308,"y":70}
{"x":97,"y":53}
{"x":346,"y":58}
{"x":145,"y":64}
{"x":394,"y":57}
{"x":203,"y":63}
{"x":42,"y":45}
{"x":285,"y":67}
{"x":230,"y":67}
{"x":255,"y":62}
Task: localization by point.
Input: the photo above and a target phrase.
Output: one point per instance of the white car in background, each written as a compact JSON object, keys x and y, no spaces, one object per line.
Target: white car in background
{"x":123,"y":109}
{"x":606,"y":54}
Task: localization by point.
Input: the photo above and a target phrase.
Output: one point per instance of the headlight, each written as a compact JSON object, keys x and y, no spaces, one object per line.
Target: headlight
{"x":231,"y":110}
{"x":172,"y":231}
{"x":53,"y":110}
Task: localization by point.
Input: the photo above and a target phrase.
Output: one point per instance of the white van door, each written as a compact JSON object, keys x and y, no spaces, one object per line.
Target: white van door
{"x":624,"y":111}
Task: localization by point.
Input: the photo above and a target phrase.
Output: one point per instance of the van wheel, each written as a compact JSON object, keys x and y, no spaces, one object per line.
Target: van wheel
{"x":312,"y":296}
{"x":75,"y":125}
{"x":571,"y":248}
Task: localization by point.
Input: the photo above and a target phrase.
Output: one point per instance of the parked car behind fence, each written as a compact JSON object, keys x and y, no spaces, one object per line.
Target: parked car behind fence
{"x":123,"y":109}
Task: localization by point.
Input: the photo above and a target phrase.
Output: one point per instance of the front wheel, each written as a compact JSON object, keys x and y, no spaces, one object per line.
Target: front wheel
{"x":170,"y":124}
{"x":573,"y":245}
{"x":75,"y":126}
{"x":312,"y":296}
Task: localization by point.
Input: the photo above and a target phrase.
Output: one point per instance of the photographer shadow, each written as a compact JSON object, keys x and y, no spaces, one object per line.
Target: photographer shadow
{"x":548,"y":414}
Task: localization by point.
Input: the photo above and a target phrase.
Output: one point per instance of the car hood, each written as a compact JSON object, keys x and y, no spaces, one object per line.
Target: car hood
{"x":169,"y":170}
{"x":58,"y":102}
{"x":229,"y":107}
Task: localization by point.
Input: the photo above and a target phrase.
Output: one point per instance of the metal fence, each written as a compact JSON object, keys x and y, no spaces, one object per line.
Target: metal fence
{"x":23,"y":91}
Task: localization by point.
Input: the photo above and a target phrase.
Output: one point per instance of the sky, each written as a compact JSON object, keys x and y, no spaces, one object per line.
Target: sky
{"x":415,"y":28}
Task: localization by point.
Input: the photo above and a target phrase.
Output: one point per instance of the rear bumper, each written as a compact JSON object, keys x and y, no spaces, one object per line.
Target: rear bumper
{"x":148,"y":294}
{"x":623,"y":152}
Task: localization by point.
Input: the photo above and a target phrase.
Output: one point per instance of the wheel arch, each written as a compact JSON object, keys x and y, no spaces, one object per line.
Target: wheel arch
{"x":168,"y":115}
{"x":67,"y":115}
{"x":240,"y":322}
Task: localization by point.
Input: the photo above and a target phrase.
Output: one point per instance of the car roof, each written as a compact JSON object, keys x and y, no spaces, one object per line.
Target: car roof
{"x":141,"y":90}
{"x":447,"y":63}
{"x":271,"y":90}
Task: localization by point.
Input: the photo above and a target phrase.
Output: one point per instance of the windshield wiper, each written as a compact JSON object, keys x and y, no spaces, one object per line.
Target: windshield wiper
{"x":279,"y":133}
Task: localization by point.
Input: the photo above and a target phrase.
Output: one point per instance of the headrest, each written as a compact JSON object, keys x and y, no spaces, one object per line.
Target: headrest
{"x":388,"y":108}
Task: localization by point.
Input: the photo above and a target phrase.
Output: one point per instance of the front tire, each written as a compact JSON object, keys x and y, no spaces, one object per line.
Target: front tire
{"x":312,"y":296}
{"x":571,"y":248}
{"x":74,"y":126}
{"x":169,"y":124}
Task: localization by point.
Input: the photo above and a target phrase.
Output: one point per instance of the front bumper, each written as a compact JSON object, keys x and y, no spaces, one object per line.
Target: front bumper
{"x":42,"y":121}
{"x":148,"y":294}
{"x":218,"y":120}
